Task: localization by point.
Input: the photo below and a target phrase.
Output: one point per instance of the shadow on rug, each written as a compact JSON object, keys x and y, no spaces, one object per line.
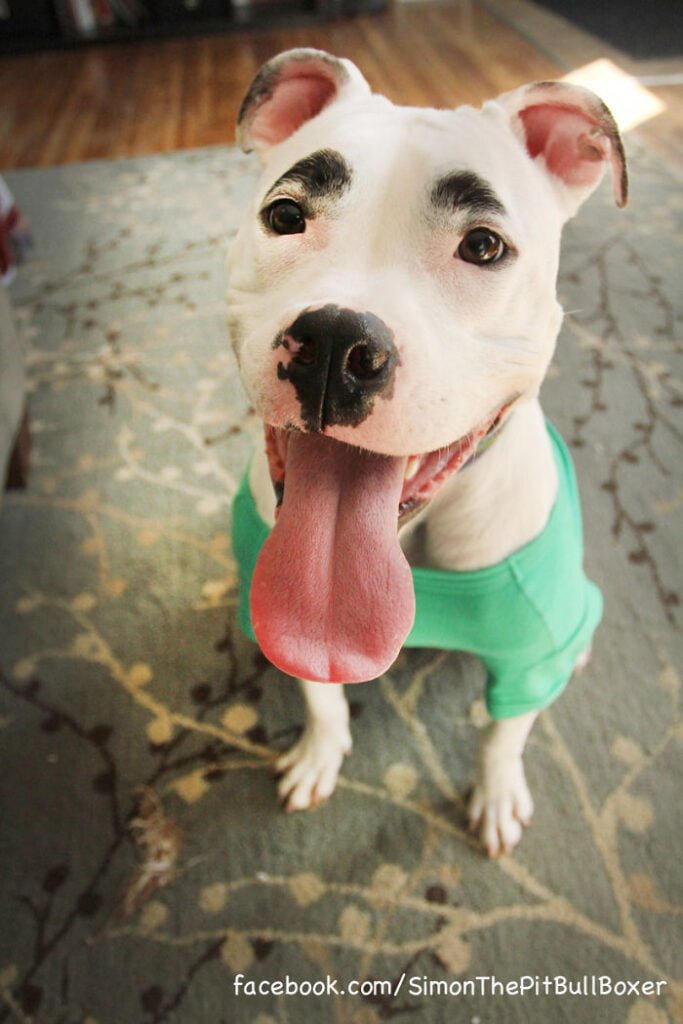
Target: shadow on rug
{"x":144,"y":863}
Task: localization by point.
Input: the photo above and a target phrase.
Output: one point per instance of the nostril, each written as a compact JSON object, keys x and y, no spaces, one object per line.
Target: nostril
{"x":366,"y":362}
{"x":338,"y":362}
{"x":307,"y":351}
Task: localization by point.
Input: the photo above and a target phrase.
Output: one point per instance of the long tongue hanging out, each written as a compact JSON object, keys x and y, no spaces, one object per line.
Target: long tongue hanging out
{"x":332,"y":593}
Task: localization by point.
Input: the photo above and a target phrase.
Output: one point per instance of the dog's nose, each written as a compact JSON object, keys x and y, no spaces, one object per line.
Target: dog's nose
{"x":339,"y":362}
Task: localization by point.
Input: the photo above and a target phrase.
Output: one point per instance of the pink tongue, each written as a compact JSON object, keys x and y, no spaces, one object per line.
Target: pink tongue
{"x":332,"y":594}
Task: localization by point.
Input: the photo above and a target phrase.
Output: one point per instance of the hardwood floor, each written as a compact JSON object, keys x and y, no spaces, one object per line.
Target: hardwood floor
{"x":126,"y":100}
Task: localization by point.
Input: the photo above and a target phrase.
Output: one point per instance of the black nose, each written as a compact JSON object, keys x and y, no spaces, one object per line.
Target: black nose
{"x":340,"y":361}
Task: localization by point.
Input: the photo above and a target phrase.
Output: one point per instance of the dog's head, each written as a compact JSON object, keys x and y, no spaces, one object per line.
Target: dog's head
{"x":393,"y":281}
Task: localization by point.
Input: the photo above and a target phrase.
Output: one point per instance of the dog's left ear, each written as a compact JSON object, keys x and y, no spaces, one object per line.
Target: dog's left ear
{"x":574,"y":133}
{"x":291,"y":89}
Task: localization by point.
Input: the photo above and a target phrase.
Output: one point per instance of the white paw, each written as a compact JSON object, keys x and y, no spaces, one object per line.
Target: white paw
{"x":310,"y":769}
{"x":500,"y":806}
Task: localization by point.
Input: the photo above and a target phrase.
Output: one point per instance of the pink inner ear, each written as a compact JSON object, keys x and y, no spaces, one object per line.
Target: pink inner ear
{"x":294,"y":101}
{"x":573,"y":145}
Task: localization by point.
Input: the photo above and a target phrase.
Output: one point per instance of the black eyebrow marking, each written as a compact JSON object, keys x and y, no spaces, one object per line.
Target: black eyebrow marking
{"x":464,"y":190}
{"x":322,"y":174}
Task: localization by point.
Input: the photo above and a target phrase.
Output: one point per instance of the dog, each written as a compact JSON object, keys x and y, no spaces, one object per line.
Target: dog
{"x":392,"y":308}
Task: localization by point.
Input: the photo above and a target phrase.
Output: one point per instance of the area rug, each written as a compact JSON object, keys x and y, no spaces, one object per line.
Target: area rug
{"x":147,"y":874}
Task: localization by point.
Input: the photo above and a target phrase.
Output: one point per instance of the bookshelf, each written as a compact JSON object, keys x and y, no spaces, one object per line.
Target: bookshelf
{"x":41,"y":24}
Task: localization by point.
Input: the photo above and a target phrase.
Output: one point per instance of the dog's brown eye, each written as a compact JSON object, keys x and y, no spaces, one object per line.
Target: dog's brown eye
{"x":481,"y":246}
{"x":285,"y":217}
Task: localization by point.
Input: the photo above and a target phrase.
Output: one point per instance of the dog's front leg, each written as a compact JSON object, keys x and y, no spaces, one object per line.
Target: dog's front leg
{"x":309,"y":770}
{"x":500,"y":804}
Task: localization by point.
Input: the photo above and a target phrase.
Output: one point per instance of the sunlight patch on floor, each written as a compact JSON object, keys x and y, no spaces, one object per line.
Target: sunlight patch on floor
{"x":630,"y":102}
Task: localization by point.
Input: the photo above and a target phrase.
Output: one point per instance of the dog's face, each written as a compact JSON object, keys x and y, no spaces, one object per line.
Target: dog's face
{"x":434,"y":229}
{"x":392,"y":285}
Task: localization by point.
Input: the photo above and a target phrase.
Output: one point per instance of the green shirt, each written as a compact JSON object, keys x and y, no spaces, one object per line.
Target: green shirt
{"x":528,"y":618}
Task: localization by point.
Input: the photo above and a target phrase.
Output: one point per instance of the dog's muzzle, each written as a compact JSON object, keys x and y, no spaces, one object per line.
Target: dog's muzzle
{"x":339,"y":361}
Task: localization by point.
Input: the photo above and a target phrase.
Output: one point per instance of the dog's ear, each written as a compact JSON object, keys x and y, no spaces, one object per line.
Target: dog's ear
{"x":291,"y":89}
{"x":573,"y":132}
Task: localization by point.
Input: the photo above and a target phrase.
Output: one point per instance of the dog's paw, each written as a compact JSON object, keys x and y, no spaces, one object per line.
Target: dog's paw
{"x":500,"y":806}
{"x":309,"y":770}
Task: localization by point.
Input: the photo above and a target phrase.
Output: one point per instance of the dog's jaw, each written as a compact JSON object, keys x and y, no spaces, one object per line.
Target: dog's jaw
{"x":423,"y":475}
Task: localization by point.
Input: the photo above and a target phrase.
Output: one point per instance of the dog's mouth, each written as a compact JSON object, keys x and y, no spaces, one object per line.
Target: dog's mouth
{"x":423,"y":475}
{"x":332,"y":595}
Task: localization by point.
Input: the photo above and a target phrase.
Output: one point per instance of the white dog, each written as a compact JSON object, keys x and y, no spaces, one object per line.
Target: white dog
{"x":393,"y":311}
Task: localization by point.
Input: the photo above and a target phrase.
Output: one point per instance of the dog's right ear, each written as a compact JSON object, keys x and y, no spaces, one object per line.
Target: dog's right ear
{"x":290,"y":90}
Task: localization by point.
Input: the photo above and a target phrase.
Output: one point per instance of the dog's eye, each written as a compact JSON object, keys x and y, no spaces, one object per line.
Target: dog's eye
{"x":482,"y":246}
{"x":285,"y":217}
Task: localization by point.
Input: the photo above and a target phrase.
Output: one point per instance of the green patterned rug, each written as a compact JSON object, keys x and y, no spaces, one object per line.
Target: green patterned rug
{"x":144,"y":863}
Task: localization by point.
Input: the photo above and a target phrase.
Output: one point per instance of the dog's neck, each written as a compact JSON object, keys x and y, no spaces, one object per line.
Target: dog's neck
{"x":500,"y":502}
